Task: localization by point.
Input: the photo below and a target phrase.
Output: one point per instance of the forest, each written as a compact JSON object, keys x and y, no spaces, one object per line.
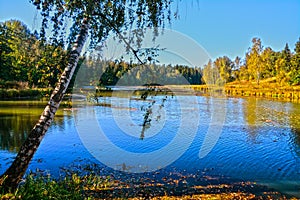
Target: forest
{"x":28,"y":61}
{"x":259,"y":63}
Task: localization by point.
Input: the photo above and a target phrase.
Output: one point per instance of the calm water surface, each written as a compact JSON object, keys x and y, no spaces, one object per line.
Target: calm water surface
{"x":259,"y":139}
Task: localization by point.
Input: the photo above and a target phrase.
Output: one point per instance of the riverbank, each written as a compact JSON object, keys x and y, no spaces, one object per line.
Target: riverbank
{"x":250,"y":89}
{"x":38,"y":93}
{"x":93,"y":186}
{"x":266,"y":89}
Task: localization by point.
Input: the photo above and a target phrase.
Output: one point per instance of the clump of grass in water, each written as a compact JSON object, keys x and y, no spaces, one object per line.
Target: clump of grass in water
{"x":93,"y":98}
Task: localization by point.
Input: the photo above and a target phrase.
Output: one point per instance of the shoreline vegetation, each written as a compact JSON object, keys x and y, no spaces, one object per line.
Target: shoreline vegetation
{"x":15,"y":94}
{"x":29,"y":63}
{"x":236,"y":90}
{"x":75,"y":185}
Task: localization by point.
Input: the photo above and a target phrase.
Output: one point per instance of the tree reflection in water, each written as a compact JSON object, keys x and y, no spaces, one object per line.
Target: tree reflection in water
{"x":16,"y":121}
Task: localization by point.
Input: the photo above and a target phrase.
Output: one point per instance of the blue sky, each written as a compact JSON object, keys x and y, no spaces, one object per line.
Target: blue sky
{"x":221,"y":27}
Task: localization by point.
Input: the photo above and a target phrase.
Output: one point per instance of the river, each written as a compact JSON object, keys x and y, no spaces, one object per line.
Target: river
{"x":246,"y":139}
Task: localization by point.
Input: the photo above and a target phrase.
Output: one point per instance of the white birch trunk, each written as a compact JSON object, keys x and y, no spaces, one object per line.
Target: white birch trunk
{"x":11,"y":178}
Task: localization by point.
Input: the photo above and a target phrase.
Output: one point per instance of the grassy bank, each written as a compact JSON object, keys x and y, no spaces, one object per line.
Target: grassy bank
{"x":265,"y":89}
{"x":93,"y":186}
{"x":6,"y":94}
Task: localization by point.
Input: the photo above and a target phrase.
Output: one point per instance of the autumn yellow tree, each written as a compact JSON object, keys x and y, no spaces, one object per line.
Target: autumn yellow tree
{"x":254,"y":60}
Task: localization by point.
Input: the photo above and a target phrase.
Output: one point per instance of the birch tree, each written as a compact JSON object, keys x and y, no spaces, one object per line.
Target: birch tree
{"x":90,"y":18}
{"x":253,"y":60}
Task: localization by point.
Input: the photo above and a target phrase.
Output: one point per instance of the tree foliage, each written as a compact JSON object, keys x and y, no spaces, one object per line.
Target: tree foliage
{"x":25,"y":58}
{"x":103,"y":73}
{"x":103,"y":17}
{"x":39,"y":64}
{"x":254,"y":61}
{"x":259,"y":63}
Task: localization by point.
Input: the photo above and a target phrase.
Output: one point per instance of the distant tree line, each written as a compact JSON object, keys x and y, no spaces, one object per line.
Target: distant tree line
{"x":28,"y":61}
{"x":99,"y":72}
{"x":282,"y":67}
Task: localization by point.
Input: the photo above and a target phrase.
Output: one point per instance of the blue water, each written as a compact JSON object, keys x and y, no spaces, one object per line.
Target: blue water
{"x":250,"y":139}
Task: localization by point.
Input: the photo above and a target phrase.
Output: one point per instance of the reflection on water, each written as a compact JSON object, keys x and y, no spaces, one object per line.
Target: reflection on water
{"x":260,"y":140}
{"x":17,"y":118}
{"x":14,"y":130}
{"x":16,"y":121}
{"x":263,"y":116}
{"x":294,"y":119}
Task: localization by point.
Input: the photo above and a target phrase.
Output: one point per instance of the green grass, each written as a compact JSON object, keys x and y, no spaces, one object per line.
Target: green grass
{"x":43,"y":187}
{"x":24,"y":93}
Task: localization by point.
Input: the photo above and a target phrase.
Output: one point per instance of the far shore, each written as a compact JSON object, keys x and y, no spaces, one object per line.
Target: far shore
{"x":234,"y":89}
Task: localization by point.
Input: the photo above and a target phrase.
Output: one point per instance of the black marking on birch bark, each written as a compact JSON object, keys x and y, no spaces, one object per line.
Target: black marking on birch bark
{"x":17,"y":169}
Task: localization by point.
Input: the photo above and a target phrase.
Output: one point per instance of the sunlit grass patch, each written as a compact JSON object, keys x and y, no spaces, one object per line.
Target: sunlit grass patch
{"x":40,"y":186}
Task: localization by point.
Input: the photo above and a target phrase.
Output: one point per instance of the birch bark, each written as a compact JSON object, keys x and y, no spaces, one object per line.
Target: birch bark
{"x":13,"y":175}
